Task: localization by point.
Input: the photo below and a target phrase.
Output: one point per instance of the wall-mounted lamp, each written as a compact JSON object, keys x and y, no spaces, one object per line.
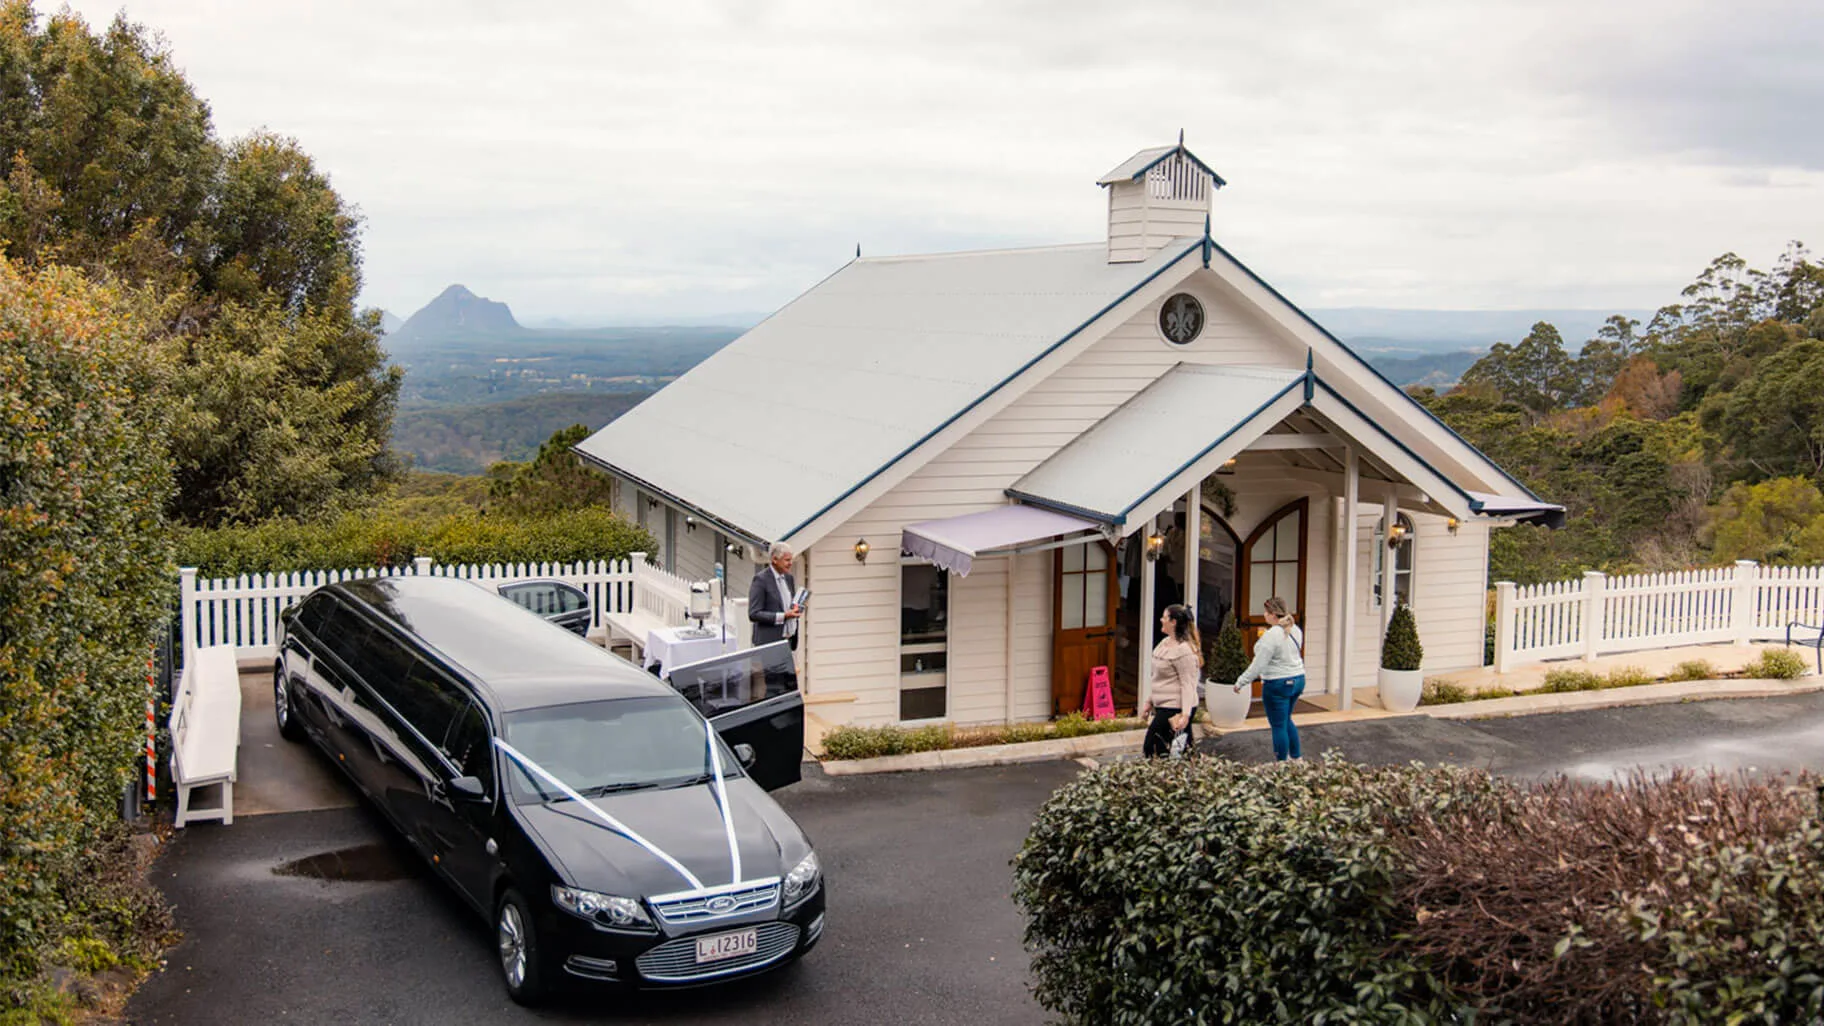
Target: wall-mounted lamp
{"x":1452,"y":524}
{"x":737,"y":551}
{"x":690,"y":523}
{"x":1155,"y":544}
{"x":1395,"y":535}
{"x":861,"y":550}
{"x":1228,"y":464}
{"x":652,"y":503}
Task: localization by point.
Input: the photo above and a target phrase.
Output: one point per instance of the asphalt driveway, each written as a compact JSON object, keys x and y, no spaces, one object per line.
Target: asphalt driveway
{"x":921,"y":928}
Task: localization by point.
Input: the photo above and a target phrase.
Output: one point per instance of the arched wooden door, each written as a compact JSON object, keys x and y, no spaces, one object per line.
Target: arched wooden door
{"x":1083,"y":620}
{"x":1273,"y":563}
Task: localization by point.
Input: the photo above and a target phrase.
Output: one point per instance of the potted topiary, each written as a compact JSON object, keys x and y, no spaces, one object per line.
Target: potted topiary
{"x":1402,"y":682}
{"x":1224,"y":662}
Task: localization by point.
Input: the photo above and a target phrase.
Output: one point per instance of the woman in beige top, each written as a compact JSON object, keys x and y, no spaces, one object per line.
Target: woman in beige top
{"x":1177,"y":663}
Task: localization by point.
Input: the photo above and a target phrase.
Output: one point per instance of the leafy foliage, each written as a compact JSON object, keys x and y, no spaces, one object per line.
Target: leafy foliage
{"x":1227,"y":659}
{"x":85,"y":584}
{"x":1693,"y":669}
{"x":1777,"y":664}
{"x":1401,"y":650}
{"x":377,"y":539}
{"x":557,"y":479}
{"x":1775,"y":521}
{"x":850,"y":742}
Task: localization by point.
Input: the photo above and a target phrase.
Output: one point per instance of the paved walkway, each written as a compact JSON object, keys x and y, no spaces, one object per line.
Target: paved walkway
{"x":276,"y":775}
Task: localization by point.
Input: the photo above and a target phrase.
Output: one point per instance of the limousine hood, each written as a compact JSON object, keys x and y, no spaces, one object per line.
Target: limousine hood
{"x":684,"y":823}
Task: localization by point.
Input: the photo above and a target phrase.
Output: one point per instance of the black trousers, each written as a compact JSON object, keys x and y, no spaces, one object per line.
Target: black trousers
{"x":1159,"y":734}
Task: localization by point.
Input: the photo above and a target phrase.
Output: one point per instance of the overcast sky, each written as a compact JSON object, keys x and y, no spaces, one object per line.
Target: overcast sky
{"x":598,"y":161}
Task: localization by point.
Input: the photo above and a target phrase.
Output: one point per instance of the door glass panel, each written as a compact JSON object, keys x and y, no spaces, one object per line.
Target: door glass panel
{"x":468,"y":748}
{"x":1095,"y":599}
{"x":1260,"y":587}
{"x":1263,"y":548}
{"x":1072,"y":600}
{"x":1073,"y":559}
{"x":1285,"y":582}
{"x":921,"y":704}
{"x":1098,"y":557}
{"x":1287,"y":531}
{"x":924,"y":592}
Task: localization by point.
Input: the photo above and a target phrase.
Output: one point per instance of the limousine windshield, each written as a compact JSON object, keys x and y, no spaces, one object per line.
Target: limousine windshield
{"x":621,"y":744}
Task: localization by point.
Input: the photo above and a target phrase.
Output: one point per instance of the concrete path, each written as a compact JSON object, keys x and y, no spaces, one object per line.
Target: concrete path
{"x":276,"y":775}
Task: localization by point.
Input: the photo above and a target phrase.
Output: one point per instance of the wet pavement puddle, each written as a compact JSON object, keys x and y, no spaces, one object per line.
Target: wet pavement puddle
{"x":365,"y":863}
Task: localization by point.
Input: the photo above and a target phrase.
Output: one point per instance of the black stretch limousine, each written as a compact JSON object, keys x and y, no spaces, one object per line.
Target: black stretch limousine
{"x":611,"y":827}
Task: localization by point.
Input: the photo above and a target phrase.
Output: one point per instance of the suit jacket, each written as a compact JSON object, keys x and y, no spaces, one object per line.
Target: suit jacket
{"x":765,"y":609}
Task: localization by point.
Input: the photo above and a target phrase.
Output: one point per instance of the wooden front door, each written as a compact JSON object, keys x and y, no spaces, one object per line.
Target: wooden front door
{"x":1083,"y":620}
{"x":1273,"y":564}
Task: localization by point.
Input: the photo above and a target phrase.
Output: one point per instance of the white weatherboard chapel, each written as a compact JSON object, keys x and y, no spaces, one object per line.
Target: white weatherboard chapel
{"x":1040,"y":448}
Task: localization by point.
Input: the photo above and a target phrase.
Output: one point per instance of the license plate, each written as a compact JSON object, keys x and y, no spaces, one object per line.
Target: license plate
{"x":727,"y":945}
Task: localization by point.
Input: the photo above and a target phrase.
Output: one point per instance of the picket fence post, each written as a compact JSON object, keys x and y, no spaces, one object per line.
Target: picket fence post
{"x":1741,"y":606}
{"x":1504,"y":625}
{"x":186,"y":596}
{"x":1595,"y":586}
{"x":421,"y":565}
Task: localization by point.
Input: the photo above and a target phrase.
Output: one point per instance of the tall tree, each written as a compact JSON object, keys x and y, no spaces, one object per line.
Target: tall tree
{"x":1536,"y":373}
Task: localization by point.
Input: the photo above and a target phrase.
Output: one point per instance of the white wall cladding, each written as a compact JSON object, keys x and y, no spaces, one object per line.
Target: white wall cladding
{"x":1450,"y":590}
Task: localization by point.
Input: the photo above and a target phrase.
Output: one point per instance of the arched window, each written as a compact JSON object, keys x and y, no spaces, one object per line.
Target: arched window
{"x":1402,"y":559}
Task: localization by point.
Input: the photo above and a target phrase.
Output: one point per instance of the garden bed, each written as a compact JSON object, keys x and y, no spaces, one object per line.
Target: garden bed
{"x":1774,"y":664}
{"x":872,"y":742}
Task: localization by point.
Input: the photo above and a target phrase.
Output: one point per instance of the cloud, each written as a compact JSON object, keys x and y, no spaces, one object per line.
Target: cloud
{"x":593,"y":160}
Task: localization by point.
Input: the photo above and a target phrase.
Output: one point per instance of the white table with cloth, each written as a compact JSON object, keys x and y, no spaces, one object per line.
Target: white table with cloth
{"x":668,"y":646}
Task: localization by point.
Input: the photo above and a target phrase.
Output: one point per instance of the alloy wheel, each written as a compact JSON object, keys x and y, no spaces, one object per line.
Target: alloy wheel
{"x":512,"y":945}
{"x":281,"y":702}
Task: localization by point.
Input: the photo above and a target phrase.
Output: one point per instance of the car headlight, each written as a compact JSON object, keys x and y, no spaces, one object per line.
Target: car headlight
{"x":802,"y":880}
{"x":606,"y":909}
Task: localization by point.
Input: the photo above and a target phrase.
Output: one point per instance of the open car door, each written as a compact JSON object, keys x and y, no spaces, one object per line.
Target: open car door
{"x":751,"y":697}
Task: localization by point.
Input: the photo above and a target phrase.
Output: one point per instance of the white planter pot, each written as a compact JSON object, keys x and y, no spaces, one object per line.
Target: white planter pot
{"x":1401,"y":689}
{"x":1225,"y":707}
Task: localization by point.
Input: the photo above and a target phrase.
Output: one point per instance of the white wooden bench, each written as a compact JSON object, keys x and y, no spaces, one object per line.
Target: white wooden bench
{"x":661,"y":599}
{"x":206,"y":732}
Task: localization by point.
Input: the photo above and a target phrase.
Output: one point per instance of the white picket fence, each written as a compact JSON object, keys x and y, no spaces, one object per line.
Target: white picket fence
{"x":244,"y":611}
{"x":1603,"y":615}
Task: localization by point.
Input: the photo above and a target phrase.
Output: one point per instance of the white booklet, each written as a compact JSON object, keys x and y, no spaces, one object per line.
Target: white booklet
{"x":803,"y":596}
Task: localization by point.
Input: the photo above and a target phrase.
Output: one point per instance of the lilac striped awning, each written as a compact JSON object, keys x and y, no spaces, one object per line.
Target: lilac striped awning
{"x":954,"y":543}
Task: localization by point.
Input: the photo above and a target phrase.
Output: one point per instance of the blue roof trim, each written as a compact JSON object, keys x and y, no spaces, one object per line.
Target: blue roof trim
{"x":1205,"y":451}
{"x":1029,"y":499}
{"x":1003,"y":383}
{"x":1388,"y":435}
{"x":1188,"y":155}
{"x":1258,"y":280}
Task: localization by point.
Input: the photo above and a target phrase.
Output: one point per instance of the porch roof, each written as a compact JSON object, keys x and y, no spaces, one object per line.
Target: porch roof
{"x":1156,"y":436}
{"x":954,"y":543}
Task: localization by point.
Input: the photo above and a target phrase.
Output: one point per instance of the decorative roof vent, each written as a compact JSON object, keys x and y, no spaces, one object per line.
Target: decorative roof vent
{"x":1154,"y":196}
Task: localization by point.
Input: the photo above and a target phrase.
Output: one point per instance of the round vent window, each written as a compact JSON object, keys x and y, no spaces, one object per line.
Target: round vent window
{"x":1181,"y":319}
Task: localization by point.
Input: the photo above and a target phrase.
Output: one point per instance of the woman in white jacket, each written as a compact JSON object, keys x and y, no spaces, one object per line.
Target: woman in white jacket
{"x":1280,"y":667}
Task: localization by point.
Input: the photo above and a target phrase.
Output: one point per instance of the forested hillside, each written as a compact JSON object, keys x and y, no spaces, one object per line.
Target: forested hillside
{"x":1697,"y":437}
{"x":467,"y":439}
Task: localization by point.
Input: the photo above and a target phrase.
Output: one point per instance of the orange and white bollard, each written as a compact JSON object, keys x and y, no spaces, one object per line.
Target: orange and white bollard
{"x":151,"y":731}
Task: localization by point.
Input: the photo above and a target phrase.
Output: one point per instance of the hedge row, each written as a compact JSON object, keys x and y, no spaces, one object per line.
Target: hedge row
{"x":848,"y":742}
{"x":389,"y":539}
{"x":1202,"y":891}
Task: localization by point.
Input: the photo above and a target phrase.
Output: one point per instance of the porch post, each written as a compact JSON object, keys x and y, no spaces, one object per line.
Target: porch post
{"x":1144,"y":650}
{"x":1193,"y":531}
{"x":1013,"y":564}
{"x":1352,"y":481}
{"x":1390,"y":515}
{"x":1334,"y":641}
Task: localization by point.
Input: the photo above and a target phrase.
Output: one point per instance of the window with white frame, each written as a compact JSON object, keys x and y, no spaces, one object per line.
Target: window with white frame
{"x":1401,"y":551}
{"x":924,"y":641}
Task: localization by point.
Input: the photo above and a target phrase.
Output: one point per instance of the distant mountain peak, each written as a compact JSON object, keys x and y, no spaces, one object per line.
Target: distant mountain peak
{"x":459,"y":312}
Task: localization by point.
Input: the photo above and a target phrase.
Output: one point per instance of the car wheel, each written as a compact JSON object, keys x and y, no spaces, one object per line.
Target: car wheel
{"x":289,"y":728}
{"x":517,"y":945}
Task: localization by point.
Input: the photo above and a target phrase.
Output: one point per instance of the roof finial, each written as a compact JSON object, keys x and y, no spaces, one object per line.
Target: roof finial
{"x":1181,"y":138}
{"x":1208,"y":243}
{"x":858,"y":251}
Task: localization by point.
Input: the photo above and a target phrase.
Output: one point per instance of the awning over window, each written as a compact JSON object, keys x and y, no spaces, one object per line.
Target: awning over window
{"x":954,"y":543}
{"x":1526,"y":511}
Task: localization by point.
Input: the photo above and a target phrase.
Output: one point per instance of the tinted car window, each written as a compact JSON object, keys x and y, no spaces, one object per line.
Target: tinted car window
{"x":383,"y":663}
{"x":346,"y":635}
{"x":470,"y":748}
{"x":569,"y":600}
{"x":426,"y":699}
{"x":314,"y":612}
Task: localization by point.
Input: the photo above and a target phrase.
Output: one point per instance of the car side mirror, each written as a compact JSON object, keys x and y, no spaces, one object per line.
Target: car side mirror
{"x":744,"y":754}
{"x":468,"y":789}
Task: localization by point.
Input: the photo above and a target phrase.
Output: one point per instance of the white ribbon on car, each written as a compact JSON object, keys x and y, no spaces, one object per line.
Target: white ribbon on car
{"x":721,"y":794}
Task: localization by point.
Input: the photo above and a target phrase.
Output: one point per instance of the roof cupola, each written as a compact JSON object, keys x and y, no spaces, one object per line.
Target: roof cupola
{"x":1155,"y":196}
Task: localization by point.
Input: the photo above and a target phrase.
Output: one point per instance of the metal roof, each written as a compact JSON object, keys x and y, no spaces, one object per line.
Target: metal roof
{"x":1148,"y":440}
{"x":1142,"y":162}
{"x":791,"y":417}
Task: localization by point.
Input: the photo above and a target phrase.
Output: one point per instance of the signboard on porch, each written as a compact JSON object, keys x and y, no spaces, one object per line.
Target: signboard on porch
{"x":1099,"y":699}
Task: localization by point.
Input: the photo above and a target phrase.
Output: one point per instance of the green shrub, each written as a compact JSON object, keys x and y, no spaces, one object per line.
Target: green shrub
{"x":1400,"y":650}
{"x":85,"y":584}
{"x":1226,"y":659}
{"x":1557,"y":681}
{"x":1693,"y":669}
{"x":379,"y":539}
{"x":1177,"y":891}
{"x":1778,"y":664}
{"x":870,"y":742}
{"x":1628,"y":677}
{"x":1439,"y":691}
{"x":1495,"y":693}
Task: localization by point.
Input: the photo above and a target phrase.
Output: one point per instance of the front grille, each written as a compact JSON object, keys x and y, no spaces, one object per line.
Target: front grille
{"x":593,"y":968}
{"x":676,"y":961}
{"x":693,"y":907}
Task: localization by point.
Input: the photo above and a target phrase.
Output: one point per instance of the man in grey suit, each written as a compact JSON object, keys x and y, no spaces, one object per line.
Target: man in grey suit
{"x":769,"y":599}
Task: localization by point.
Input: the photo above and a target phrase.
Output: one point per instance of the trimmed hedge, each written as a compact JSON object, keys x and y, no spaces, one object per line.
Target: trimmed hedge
{"x":357,"y":541}
{"x":1202,"y":891}
{"x":870,"y":742}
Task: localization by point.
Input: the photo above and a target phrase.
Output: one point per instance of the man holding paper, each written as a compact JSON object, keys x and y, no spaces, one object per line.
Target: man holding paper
{"x":774,"y":602}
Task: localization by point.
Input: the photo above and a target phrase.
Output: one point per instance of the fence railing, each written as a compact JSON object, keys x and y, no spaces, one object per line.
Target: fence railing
{"x":244,"y":611}
{"x":1603,"y":615}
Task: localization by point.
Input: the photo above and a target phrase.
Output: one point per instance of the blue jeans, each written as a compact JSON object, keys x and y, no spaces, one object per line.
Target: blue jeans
{"x":1279,"y":696}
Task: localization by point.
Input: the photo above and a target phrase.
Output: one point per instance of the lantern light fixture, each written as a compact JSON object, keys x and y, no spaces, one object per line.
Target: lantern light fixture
{"x":861,"y":550}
